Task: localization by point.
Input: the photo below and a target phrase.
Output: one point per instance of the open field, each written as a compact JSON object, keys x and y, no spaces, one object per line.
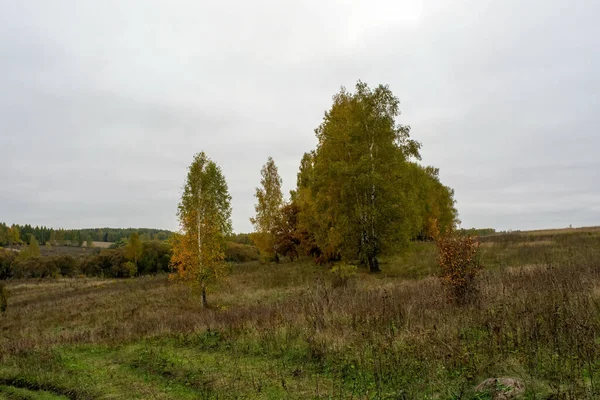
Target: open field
{"x":586,"y":229}
{"x":102,"y":245}
{"x":294,"y":330}
{"x":73,"y":251}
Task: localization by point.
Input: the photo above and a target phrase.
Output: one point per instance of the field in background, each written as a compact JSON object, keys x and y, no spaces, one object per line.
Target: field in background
{"x":101,"y":245}
{"x":583,"y":229}
{"x":73,"y":251}
{"x":295,"y":330}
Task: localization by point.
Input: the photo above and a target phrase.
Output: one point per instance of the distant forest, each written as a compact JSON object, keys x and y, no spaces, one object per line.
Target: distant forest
{"x":20,"y":234}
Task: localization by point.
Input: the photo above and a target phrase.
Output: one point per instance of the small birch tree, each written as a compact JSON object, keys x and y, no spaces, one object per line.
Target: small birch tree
{"x":268,"y":209}
{"x":204,"y":214}
{"x":133,"y":249}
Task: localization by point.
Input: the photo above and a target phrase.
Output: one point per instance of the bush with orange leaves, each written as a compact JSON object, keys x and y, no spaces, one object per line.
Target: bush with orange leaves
{"x":460,"y":265}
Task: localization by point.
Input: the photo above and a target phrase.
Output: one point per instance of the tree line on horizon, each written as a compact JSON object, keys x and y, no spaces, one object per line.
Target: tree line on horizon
{"x":20,"y":234}
{"x":127,"y":259}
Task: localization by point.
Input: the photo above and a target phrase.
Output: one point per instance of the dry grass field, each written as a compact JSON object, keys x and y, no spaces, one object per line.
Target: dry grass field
{"x":73,"y":251}
{"x":101,"y":245}
{"x":296,"y":331}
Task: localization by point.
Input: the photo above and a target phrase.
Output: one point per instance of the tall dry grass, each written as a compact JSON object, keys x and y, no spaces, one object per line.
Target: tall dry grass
{"x":378,"y":335}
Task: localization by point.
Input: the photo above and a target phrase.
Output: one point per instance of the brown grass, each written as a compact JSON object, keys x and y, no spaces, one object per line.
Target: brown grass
{"x":101,"y":245}
{"x":582,"y":229}
{"x":540,"y":323}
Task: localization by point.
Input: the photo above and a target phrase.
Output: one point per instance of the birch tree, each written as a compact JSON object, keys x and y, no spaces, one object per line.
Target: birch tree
{"x":269,"y":201}
{"x":436,"y":213}
{"x":204,"y":214}
{"x":31,"y":250}
{"x":358,"y":176}
{"x":133,"y":249}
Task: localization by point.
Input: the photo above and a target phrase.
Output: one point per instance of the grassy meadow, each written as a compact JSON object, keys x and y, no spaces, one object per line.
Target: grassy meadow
{"x":299,"y":331}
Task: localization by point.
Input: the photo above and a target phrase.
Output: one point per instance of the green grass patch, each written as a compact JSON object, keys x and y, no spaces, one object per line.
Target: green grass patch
{"x":16,"y":393}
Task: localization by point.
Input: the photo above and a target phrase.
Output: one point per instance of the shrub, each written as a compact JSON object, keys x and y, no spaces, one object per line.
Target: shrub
{"x":342,"y":273}
{"x":125,"y":270}
{"x":106,"y":263}
{"x":34,"y":267}
{"x":459,"y":264}
{"x":67,"y":265}
{"x":37,"y":267}
{"x":155,"y":258}
{"x":240,"y":238}
{"x":91,"y":266}
{"x":64,"y":265}
{"x":7,"y":258}
{"x":3,"y":299}
{"x":236,"y":252}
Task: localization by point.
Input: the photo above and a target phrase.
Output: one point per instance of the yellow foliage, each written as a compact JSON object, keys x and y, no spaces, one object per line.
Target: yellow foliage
{"x":343,"y":272}
{"x":205,"y":219}
{"x":198,"y":265}
{"x":265,"y":242}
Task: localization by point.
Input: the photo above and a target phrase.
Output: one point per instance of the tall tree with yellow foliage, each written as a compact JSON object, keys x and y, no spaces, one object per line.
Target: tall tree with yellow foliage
{"x":204,"y":214}
{"x":357,"y":177}
{"x":133,"y":249}
{"x":268,"y":209}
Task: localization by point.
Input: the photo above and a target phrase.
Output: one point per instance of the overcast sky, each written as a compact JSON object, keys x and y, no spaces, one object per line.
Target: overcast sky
{"x":104,"y":103}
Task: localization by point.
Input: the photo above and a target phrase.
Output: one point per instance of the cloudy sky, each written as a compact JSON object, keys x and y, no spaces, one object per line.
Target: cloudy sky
{"x":104,"y":103}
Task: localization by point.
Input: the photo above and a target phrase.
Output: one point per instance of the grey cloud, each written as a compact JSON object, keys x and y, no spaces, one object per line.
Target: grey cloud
{"x":103,"y":104}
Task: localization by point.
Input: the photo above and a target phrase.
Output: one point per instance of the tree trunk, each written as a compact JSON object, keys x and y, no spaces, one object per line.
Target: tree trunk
{"x":204,"y":302}
{"x":276,"y":258}
{"x":373,"y":264}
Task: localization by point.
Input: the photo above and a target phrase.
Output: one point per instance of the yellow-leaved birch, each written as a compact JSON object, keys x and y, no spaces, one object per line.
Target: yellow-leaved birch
{"x":268,"y":209}
{"x":204,"y":214}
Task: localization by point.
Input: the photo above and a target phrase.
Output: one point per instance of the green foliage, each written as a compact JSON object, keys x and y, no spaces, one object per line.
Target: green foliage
{"x":204,"y":214}
{"x":434,"y":203}
{"x":17,"y":234}
{"x":64,"y":265}
{"x":34,"y":267}
{"x":358,"y":194}
{"x":286,"y":233}
{"x":241,"y":253}
{"x":155,"y":258}
{"x":241,"y":238}
{"x":79,"y":239}
{"x":120,"y":244}
{"x":31,"y":250}
{"x":125,"y":270}
{"x":268,"y":209}
{"x":205,"y":195}
{"x":34,"y":247}
{"x":13,"y":235}
{"x":7,"y":259}
{"x":359,"y":172}
{"x":3,"y":234}
{"x":342,"y":273}
{"x":133,"y":249}
{"x":105,"y":263}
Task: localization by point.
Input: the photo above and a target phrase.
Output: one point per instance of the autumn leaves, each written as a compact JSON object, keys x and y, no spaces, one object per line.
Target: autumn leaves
{"x":359,"y":193}
{"x":204,"y":214}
